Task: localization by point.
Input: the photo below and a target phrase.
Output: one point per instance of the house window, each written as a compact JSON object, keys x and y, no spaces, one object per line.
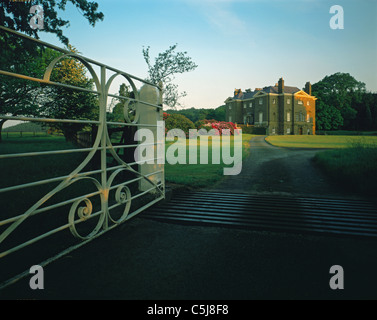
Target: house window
{"x":230,"y":107}
{"x":288,"y":117}
{"x":288,"y":101}
{"x":273,"y":101}
{"x":251,"y":105}
{"x":260,"y":101}
{"x":299,"y":102}
{"x":308,"y":117}
{"x":288,"y":130}
{"x":307,"y":103}
{"x":260,"y":117}
{"x":297,"y":117}
{"x":273,"y":131}
{"x":244,"y":106}
{"x":230,"y":118}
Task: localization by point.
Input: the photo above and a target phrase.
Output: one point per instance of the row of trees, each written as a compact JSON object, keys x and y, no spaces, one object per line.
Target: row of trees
{"x":201,"y":114}
{"x":343,"y":103}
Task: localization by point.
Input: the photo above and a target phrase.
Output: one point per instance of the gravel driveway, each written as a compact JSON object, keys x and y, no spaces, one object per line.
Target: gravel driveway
{"x":282,"y":171}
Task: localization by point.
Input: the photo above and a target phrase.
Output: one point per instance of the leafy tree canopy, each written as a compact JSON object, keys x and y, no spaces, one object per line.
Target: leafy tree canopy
{"x":15,"y":15}
{"x":200,"y":114}
{"x":166,"y":65}
{"x":341,"y":103}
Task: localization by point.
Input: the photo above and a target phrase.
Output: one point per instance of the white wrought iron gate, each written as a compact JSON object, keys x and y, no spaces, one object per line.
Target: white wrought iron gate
{"x":105,"y":187}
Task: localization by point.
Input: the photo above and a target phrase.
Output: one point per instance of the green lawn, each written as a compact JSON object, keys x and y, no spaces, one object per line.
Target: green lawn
{"x":22,"y":170}
{"x":16,"y":171}
{"x":202,"y":175}
{"x":328,"y":142}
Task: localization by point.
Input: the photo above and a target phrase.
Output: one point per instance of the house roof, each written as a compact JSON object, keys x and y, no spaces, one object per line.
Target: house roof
{"x":271,"y":89}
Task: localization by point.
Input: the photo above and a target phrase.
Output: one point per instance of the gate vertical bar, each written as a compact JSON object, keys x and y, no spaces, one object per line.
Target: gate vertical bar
{"x":105,"y":189}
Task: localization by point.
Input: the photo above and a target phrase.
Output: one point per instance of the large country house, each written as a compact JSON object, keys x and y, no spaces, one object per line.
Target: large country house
{"x":280,"y":109}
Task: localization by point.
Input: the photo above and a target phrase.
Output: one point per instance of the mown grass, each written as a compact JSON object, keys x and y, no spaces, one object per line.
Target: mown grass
{"x":202,"y":175}
{"x":320,"y":142}
{"x":22,"y":170}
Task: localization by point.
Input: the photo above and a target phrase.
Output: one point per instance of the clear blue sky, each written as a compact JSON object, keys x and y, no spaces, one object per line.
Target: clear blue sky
{"x":236,"y":43}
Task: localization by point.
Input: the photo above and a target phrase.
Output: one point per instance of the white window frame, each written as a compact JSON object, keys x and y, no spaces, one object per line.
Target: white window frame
{"x":288,"y":101}
{"x":260,"y":101}
{"x":289,"y":117}
{"x":288,"y":130}
{"x":299,"y":102}
{"x":261,"y":116}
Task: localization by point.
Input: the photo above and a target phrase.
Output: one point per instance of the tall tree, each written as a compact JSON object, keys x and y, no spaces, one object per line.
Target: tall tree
{"x":15,"y":15}
{"x":340,"y":91}
{"x":166,"y":65}
{"x":65,"y":103}
{"x":21,"y":97}
{"x":328,"y":117}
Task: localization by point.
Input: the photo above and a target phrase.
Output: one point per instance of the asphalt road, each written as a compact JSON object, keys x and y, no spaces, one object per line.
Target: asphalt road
{"x":149,"y":260}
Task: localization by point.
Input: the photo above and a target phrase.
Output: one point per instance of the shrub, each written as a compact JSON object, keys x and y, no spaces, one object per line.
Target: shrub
{"x":178,"y":121}
{"x":214,"y":124}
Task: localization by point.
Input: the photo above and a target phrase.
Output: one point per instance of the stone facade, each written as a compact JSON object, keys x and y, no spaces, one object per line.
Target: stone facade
{"x":282,"y":110}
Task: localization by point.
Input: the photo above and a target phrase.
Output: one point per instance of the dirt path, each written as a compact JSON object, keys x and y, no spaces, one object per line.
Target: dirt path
{"x":283,"y":171}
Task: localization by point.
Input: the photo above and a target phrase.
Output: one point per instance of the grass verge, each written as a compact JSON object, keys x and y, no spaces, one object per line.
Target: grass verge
{"x":354,"y":168}
{"x":320,"y":142}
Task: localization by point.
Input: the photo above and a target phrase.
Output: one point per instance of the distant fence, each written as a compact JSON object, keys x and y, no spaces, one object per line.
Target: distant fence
{"x":14,"y":134}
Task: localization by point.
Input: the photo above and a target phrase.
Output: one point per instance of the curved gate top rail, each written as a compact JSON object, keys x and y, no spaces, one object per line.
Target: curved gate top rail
{"x":111,"y":181}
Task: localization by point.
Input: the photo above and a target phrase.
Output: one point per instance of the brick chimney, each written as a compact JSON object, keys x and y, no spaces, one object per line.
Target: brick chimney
{"x":308,"y":88}
{"x":281,"y":85}
{"x":237,"y":92}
